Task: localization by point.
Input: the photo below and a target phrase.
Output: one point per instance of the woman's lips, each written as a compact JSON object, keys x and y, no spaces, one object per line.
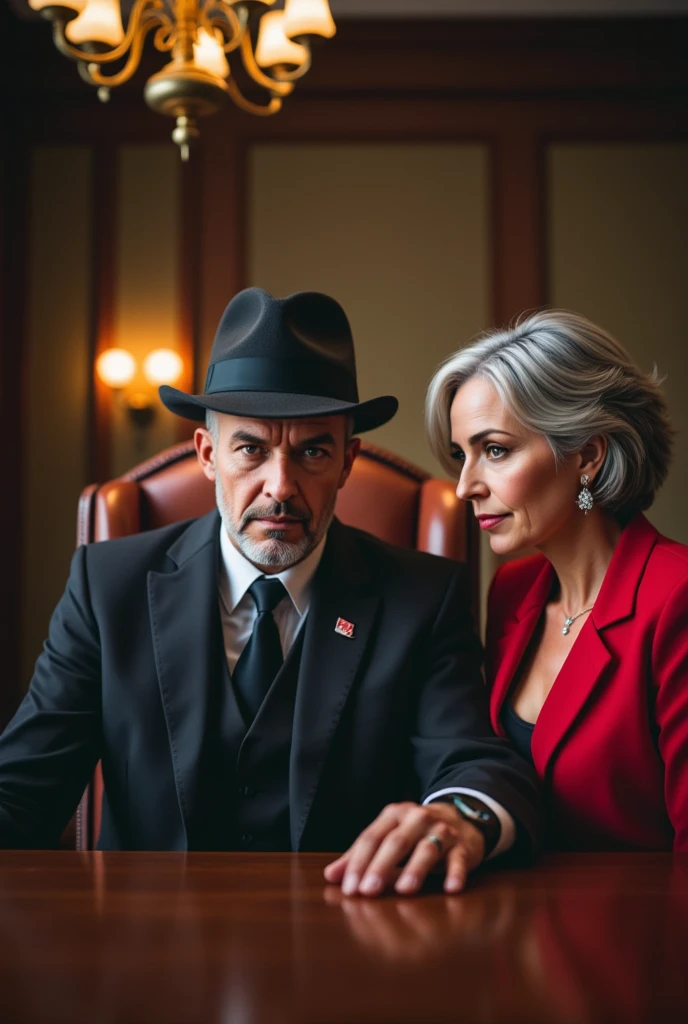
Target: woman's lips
{"x":488,"y":522}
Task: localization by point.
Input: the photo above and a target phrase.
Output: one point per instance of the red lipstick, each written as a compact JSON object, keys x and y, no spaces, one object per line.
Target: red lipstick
{"x":488,"y":522}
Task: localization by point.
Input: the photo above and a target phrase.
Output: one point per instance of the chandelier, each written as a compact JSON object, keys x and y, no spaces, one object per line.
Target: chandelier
{"x":274,"y":46}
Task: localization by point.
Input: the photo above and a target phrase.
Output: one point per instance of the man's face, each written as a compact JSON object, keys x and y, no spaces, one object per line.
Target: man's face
{"x":276,"y":482}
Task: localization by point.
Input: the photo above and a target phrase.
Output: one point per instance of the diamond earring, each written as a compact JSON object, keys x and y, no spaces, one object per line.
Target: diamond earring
{"x":584,"y":499}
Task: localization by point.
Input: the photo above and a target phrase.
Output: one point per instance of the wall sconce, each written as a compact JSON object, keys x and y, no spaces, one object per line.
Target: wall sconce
{"x":116,"y":367}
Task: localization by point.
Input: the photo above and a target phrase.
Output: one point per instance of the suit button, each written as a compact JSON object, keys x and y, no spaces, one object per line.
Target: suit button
{"x":247,"y":838}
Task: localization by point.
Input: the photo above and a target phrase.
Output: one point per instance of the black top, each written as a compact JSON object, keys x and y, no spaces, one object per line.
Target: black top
{"x":518,"y":730}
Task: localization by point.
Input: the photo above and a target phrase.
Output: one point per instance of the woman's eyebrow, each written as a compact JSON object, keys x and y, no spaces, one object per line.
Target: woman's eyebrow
{"x":484,"y":433}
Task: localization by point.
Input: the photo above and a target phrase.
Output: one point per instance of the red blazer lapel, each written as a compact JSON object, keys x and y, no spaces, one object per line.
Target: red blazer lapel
{"x":578,"y":677}
{"x":513,"y":639}
{"x":589,"y":659}
{"x":616,"y":599}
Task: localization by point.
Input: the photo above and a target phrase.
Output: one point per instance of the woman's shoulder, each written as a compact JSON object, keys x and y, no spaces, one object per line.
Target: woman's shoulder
{"x":671,"y":553}
{"x":667,"y":566}
{"x":647,"y":575}
{"x":659,"y":560}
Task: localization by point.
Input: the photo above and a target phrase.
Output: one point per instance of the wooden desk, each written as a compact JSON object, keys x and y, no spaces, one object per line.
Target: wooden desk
{"x":150,"y":937}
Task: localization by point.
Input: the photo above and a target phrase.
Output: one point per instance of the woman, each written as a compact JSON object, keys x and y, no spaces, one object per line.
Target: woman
{"x":560,"y":442}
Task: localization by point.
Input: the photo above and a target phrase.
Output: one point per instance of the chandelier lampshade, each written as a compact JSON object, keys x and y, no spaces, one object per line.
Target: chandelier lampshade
{"x":275,"y":49}
{"x":100,"y":21}
{"x":203,"y":38}
{"x":305,"y":19}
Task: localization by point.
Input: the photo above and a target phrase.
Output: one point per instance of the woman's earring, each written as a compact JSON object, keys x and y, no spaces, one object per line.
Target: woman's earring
{"x":584,"y":499}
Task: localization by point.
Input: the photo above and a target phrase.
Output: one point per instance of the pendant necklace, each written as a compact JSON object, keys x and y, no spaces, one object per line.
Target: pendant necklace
{"x":570,"y":619}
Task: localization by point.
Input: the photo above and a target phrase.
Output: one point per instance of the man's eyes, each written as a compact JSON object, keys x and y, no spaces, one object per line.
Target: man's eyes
{"x":311,"y":453}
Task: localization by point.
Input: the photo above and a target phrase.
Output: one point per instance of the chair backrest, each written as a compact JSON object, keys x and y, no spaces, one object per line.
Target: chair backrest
{"x":384,"y":495}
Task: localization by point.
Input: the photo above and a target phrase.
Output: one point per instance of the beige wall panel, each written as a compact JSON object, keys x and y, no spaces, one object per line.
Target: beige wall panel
{"x":55,"y":427}
{"x":147,"y":270}
{"x":619,"y":252}
{"x":398,"y":234}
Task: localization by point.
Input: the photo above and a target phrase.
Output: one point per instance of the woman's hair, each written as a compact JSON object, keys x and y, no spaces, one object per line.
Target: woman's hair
{"x":568,"y":379}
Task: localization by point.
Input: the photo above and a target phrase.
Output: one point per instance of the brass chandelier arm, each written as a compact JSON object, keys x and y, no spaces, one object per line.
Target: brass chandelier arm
{"x":259,"y":77}
{"x":145,"y":14}
{"x":292,"y":76}
{"x":217,"y":15}
{"x":262,"y":110}
{"x":92,"y":74}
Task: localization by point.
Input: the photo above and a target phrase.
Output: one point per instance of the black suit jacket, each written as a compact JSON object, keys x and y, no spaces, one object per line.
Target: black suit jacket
{"x":127,"y":676}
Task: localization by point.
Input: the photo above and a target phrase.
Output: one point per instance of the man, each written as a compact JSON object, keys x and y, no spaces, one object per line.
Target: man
{"x":269,"y":679}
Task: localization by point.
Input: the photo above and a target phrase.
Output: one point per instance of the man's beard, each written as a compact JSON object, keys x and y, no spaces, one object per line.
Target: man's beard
{"x":274,"y":551}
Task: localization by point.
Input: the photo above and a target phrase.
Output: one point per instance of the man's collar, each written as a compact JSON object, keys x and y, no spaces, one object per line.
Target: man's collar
{"x":237,"y":574}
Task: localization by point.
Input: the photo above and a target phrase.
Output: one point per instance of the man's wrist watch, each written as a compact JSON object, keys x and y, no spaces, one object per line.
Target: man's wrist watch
{"x":477,"y":813}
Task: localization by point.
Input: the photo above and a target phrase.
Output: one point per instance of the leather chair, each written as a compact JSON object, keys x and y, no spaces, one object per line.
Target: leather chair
{"x":385,"y":495}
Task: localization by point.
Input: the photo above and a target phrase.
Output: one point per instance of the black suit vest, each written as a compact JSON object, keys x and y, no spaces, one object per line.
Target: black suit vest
{"x":245,"y":800}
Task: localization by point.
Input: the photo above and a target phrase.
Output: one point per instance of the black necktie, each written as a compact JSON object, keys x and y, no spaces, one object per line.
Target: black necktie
{"x":261,"y":658}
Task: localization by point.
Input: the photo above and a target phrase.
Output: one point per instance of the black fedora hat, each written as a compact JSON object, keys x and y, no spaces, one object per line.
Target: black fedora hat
{"x":282,"y":359}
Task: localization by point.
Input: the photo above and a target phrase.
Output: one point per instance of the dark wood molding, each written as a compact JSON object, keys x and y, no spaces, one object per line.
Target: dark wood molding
{"x":536,"y":57}
{"x":223,"y":226}
{"x":14,"y":220}
{"x":102,"y":304}
{"x":518,"y":227}
{"x":189,"y":271}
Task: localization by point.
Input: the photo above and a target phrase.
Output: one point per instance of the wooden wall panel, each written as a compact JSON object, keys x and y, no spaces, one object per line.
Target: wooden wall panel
{"x":147,"y":296}
{"x":399,"y":235}
{"x":618,"y":229}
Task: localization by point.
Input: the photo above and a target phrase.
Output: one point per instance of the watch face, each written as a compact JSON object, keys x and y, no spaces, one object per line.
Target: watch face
{"x":471,"y":813}
{"x":482,"y":818}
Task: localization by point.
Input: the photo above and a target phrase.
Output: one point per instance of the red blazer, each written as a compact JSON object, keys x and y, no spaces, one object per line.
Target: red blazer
{"x":611,"y":740}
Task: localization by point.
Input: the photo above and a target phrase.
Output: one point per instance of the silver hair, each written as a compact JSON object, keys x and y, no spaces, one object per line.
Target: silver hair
{"x":212,"y":425}
{"x":563,"y":376}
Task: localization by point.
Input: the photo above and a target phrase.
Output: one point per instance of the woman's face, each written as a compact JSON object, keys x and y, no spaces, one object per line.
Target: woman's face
{"x":519,"y":495}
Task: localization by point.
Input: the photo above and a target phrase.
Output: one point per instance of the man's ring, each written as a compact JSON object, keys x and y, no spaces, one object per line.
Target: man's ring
{"x":432,"y":838}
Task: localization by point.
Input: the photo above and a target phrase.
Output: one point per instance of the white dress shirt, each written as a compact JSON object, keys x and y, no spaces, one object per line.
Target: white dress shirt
{"x":238,"y":609}
{"x":238,"y":613}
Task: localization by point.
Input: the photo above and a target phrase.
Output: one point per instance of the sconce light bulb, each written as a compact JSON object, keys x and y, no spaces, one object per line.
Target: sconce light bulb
{"x":116,"y":367}
{"x":163,"y":366}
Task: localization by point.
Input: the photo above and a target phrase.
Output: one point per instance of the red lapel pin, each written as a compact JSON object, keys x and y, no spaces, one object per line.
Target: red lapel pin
{"x":345,"y":628}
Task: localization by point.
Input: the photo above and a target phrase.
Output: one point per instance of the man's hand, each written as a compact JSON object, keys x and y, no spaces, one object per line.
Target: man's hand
{"x":426,"y":835}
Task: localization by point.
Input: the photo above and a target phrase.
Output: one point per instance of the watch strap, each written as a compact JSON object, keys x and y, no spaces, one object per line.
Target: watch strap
{"x":478,"y":814}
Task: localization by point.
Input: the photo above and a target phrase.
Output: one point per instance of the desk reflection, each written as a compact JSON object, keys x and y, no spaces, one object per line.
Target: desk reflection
{"x":210,"y":937}
{"x":592,"y":947}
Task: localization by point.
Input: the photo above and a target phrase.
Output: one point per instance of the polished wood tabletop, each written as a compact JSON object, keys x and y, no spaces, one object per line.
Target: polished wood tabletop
{"x":239,"y":939}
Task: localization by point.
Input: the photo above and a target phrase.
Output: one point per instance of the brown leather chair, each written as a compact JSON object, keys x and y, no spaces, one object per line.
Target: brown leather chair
{"x":385,"y":495}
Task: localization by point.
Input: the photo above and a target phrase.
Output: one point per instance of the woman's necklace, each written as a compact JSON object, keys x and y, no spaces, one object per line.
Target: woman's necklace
{"x":570,"y":619}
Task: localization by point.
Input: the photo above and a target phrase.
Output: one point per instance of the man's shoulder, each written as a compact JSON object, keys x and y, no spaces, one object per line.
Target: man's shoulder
{"x":392,"y":560}
{"x":149,"y":546}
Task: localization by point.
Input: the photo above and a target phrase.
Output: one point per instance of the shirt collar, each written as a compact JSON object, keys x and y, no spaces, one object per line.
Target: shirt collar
{"x":237,"y":574}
